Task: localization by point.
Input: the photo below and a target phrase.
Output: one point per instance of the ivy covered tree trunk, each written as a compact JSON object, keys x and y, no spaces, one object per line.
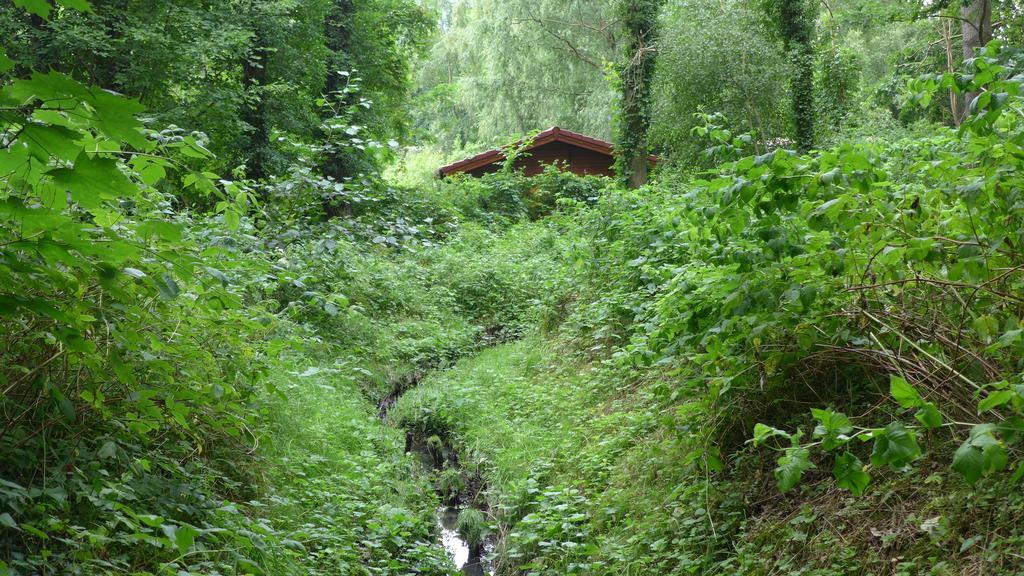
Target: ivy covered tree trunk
{"x":254,"y":70}
{"x":640,"y":19}
{"x":338,"y":36}
{"x":796,"y":20}
{"x":976,"y":28}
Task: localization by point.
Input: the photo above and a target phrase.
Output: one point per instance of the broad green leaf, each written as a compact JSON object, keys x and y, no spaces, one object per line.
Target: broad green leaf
{"x":7,"y":521}
{"x":162,"y":229}
{"x":969,"y":462}
{"x":116,"y":117}
{"x":134,"y":272}
{"x":1006,"y":339}
{"x":94,"y":180}
{"x":14,"y":160}
{"x":982,"y":454}
{"x":232,"y":219}
{"x":895,"y":445}
{"x":791,"y":467}
{"x":6,"y":64}
{"x":151,"y":520}
{"x":903,"y":392}
{"x":108,"y":450}
{"x":929,"y":415}
{"x":168,"y":287}
{"x":330,"y":308}
{"x":763,"y":432}
{"x":986,"y":326}
{"x":40,"y":8}
{"x":51,"y":142}
{"x":56,"y":91}
{"x":150,"y":171}
{"x":832,"y":428}
{"x":850,"y":474}
{"x":218,"y":275}
{"x":995,"y":400}
{"x":105,"y":218}
{"x":183,"y":536}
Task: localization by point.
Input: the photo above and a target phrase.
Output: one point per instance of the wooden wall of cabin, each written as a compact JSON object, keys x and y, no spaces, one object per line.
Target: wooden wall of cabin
{"x":580,"y":160}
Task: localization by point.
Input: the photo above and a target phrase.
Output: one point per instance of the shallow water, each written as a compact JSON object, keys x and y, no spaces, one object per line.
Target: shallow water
{"x":458,"y":549}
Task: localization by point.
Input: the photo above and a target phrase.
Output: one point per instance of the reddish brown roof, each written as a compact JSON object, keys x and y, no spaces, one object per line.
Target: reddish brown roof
{"x":554,"y":134}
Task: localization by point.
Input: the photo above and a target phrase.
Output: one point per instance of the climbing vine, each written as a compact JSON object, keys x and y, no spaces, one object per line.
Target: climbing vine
{"x":640,"y":21}
{"x":794,"y":21}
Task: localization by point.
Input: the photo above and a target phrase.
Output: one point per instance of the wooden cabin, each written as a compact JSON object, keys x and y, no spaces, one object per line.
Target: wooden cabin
{"x":580,"y":154}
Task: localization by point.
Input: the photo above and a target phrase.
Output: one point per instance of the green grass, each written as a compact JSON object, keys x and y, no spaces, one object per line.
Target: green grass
{"x":339,"y":482}
{"x":491,"y":406}
{"x":588,"y":472}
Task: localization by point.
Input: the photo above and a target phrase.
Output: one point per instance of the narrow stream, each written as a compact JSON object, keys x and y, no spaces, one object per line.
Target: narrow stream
{"x":458,"y":549}
{"x":468,"y":561}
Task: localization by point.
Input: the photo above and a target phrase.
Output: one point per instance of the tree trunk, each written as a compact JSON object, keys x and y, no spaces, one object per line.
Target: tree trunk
{"x":254,"y":70}
{"x":338,"y":35}
{"x":804,"y":113}
{"x":640,"y":18}
{"x":954,"y":99}
{"x":796,"y":21}
{"x":338,"y":38}
{"x":638,"y":171}
{"x":976,"y":27}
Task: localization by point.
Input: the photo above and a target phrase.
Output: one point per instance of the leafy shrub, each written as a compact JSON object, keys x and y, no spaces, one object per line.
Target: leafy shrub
{"x":119,"y":336}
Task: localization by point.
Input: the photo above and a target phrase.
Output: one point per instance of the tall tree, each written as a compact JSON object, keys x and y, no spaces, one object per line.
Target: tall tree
{"x":338,"y":36}
{"x":640,"y":21}
{"x":795,"y":21}
{"x":976,"y":28}
{"x":254,"y":80}
{"x":500,"y":68}
{"x":728,"y":45}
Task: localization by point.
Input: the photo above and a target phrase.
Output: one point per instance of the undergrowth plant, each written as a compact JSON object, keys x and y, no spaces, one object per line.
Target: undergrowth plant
{"x":939,"y":310}
{"x":128,"y":358}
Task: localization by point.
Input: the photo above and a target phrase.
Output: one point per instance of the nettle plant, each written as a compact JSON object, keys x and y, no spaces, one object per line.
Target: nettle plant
{"x":937,"y":305}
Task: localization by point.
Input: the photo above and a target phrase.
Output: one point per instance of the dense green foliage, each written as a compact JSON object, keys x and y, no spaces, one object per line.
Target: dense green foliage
{"x":780,"y":292}
{"x":238,"y":337}
{"x":502,"y":69}
{"x":795,"y":21}
{"x":246,"y":74}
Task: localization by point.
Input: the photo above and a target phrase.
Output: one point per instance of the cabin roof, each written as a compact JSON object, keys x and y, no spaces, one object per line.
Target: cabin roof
{"x":554,"y":134}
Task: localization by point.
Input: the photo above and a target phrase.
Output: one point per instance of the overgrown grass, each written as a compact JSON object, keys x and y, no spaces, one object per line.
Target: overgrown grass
{"x":339,"y":483}
{"x":589,"y":472}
